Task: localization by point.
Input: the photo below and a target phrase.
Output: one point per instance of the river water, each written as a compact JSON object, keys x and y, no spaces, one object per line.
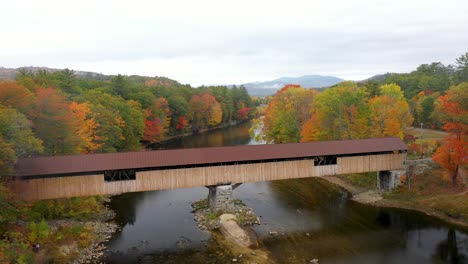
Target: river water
{"x":313,"y":219}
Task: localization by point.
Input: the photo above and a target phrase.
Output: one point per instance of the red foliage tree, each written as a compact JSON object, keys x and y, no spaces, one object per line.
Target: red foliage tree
{"x":243,"y":113}
{"x":157,"y":120}
{"x":182,"y":123}
{"x":452,"y":110}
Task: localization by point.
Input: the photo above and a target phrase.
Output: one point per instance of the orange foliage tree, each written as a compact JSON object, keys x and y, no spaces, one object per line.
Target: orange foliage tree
{"x":16,"y":96}
{"x":286,"y":114}
{"x":182,"y":123}
{"x":204,"y":111}
{"x":86,"y":128}
{"x":452,"y":109}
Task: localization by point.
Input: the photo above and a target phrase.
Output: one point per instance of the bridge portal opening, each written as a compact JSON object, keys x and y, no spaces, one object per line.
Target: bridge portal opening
{"x":119,"y":175}
{"x":325,"y":160}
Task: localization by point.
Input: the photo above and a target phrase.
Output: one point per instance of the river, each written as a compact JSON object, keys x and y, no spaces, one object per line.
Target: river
{"x":313,"y":219}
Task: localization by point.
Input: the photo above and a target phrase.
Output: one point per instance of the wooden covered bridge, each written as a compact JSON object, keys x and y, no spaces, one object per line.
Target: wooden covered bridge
{"x":101,"y":174}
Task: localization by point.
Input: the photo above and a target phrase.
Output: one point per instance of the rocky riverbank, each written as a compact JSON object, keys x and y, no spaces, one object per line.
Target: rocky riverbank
{"x":207,"y":220}
{"x":92,"y":254}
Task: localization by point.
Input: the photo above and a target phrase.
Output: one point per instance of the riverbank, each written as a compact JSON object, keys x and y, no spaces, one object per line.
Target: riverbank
{"x":431,"y":194}
{"x":69,"y":230}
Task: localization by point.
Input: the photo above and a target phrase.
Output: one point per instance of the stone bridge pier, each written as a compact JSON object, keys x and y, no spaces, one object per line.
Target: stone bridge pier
{"x":388,"y":180}
{"x":220,"y":197}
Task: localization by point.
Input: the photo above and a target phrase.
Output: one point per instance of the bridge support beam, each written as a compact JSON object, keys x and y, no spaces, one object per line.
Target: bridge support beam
{"x":388,"y":180}
{"x":220,"y":197}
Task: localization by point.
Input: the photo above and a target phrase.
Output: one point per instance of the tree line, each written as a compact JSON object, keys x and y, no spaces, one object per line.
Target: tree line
{"x":434,"y":95}
{"x":423,"y":86}
{"x":58,"y":113}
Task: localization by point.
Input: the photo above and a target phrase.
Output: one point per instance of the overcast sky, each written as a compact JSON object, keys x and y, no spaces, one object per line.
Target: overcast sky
{"x":224,"y":42}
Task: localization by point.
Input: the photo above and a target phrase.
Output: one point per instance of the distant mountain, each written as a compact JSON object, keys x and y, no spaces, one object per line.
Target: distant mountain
{"x":378,"y":77}
{"x":306,"y":81}
{"x":10,"y":73}
{"x":7,"y":73}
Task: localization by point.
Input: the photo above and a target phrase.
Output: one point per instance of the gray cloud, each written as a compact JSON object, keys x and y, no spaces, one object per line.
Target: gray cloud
{"x":209,"y":42}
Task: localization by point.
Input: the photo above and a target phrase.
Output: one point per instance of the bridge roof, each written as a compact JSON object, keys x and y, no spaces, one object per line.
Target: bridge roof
{"x":89,"y":163}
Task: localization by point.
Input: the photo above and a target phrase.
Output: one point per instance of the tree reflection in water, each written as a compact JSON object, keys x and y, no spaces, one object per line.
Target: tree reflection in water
{"x":447,"y":250}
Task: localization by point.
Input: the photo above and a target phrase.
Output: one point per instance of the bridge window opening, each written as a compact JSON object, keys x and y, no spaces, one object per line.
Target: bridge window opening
{"x":119,"y":175}
{"x":325,"y":160}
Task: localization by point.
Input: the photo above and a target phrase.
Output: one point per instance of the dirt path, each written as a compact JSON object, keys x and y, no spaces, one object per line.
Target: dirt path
{"x":359,"y":194}
{"x":426,"y":133}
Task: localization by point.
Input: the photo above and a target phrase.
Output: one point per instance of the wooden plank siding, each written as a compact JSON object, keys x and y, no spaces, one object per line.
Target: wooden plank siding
{"x":71,"y":186}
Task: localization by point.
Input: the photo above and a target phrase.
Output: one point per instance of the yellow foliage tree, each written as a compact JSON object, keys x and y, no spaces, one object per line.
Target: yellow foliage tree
{"x":86,"y":128}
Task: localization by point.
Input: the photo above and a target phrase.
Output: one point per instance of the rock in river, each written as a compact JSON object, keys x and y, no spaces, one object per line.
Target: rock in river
{"x":235,"y":233}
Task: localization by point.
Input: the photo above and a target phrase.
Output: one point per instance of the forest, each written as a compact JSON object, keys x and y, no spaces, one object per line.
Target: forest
{"x":61,"y":113}
{"x":46,"y":113}
{"x":434,"y":96}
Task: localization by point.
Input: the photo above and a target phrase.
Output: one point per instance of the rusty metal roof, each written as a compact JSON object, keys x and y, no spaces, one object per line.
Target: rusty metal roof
{"x":57,"y":165}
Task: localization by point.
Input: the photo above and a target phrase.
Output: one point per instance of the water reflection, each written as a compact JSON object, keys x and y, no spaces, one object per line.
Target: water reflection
{"x":449,"y":250}
{"x":229,"y":136}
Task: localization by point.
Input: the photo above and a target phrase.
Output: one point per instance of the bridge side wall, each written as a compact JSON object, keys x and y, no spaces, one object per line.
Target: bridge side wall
{"x":70,"y":186}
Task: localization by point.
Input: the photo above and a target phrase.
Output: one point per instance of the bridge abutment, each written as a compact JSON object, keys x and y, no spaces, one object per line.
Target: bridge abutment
{"x":388,"y":180}
{"x":220,"y":197}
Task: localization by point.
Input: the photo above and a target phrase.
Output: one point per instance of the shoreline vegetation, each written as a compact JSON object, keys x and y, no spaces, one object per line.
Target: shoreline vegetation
{"x":67,"y":231}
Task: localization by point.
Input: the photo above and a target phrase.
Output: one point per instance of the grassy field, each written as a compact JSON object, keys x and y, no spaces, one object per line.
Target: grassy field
{"x":434,"y":190}
{"x":431,"y":191}
{"x":366,"y":180}
{"x":426,"y":133}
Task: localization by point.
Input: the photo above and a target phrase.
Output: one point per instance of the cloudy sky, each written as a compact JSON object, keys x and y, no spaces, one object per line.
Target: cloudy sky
{"x":223,"y":42}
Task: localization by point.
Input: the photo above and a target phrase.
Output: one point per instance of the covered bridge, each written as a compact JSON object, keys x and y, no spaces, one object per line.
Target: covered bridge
{"x":114,"y":173}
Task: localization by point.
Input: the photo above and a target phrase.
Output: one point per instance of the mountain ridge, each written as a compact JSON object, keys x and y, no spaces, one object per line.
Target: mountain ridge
{"x":266,"y":88}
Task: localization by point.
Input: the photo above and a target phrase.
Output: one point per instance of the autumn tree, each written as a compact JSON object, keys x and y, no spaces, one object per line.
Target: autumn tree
{"x":225,"y":98}
{"x":240,"y":100}
{"x":204,"y":111}
{"x":179,"y":108}
{"x":340,"y":112}
{"x":120,"y":122}
{"x":53,"y":122}
{"x":86,"y":128}
{"x":158,"y":119}
{"x":286,"y":114}
{"x":16,"y":96}
{"x":389,"y":112}
{"x":452,"y":109}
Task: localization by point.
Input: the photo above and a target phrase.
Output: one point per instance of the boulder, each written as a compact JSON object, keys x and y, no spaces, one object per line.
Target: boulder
{"x":235,"y":233}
